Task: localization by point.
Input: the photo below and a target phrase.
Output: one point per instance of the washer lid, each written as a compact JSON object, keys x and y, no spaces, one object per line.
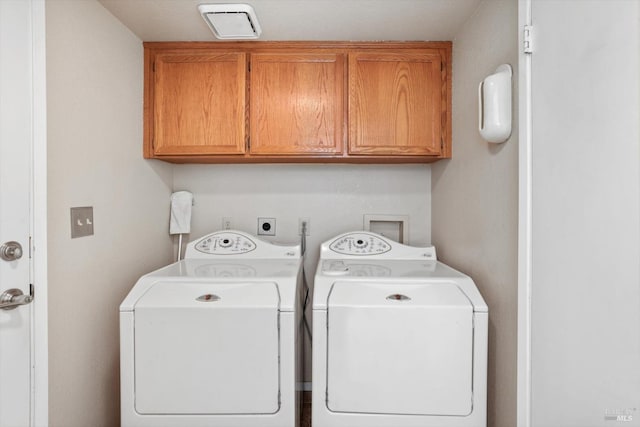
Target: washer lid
{"x":210,"y":295}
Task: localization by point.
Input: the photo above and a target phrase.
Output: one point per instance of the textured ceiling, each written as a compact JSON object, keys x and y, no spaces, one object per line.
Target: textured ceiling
{"x":179,"y":20}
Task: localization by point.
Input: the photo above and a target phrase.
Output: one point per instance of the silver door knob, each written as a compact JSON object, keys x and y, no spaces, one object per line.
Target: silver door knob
{"x":12,"y":298}
{"x":11,"y":251}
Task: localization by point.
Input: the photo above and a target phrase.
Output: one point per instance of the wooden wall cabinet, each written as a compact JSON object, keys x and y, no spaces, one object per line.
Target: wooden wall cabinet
{"x":197,"y":103}
{"x":396,"y":103}
{"x":329,"y":102}
{"x":296,"y":104}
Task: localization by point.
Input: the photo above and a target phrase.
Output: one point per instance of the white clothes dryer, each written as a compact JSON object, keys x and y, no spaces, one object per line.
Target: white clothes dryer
{"x":214,"y":340}
{"x":399,"y":338}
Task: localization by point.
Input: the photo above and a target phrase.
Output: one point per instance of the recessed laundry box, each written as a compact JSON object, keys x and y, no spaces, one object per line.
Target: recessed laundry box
{"x":399,"y":349}
{"x":399,"y":338}
{"x":214,"y":340}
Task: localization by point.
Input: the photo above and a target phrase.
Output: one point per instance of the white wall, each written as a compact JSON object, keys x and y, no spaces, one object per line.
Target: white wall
{"x":94,"y":91}
{"x":475,"y":196}
{"x":333,"y":197}
{"x":95,"y":114}
{"x":585,"y":281}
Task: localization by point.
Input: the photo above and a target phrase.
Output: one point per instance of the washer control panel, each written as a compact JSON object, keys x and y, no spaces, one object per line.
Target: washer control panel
{"x":225,"y":244}
{"x":359,"y":244}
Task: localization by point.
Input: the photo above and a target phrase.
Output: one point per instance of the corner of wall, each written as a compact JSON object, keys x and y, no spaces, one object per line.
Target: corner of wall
{"x":475,"y":195}
{"x":94,"y":132}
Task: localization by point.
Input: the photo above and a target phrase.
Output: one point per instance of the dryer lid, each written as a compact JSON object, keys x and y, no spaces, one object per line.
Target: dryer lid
{"x":397,"y":295}
{"x":210,"y":295}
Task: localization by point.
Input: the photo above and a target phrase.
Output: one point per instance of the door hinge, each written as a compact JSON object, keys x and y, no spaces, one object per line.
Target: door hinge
{"x":527,"y":39}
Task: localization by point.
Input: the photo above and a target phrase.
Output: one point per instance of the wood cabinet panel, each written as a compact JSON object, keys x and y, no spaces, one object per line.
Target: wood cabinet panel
{"x":296,"y":103}
{"x":396,"y":103}
{"x":328,"y":102}
{"x":199,"y":103}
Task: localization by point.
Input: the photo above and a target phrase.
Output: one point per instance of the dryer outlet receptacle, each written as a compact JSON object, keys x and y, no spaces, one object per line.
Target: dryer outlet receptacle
{"x":266,"y":226}
{"x":226,"y":223}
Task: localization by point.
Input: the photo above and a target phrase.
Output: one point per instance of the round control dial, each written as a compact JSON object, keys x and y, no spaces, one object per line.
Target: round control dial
{"x":360,"y":244}
{"x":225,"y":243}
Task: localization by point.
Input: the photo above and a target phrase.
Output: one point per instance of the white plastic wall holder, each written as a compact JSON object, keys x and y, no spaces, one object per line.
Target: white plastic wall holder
{"x":494,"y":105}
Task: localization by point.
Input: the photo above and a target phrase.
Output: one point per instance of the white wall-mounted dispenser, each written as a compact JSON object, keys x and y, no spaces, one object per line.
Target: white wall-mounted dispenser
{"x":494,"y":105}
{"x":180,"y":217}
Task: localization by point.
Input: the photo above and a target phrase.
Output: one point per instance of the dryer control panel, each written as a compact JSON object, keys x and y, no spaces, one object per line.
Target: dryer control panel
{"x":225,"y":244}
{"x":372,"y":246}
{"x":359,"y":244}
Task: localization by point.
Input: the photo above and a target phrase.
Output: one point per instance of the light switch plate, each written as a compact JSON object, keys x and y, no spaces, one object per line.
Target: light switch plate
{"x":81,"y":221}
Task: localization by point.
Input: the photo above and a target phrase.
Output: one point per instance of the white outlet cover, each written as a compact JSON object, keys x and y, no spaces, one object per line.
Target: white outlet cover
{"x":308,"y":229}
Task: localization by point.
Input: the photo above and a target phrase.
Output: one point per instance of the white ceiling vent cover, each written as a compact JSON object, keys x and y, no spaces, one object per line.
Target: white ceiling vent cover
{"x":231,"y":21}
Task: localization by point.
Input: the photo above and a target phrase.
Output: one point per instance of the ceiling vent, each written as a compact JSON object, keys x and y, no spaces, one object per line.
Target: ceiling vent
{"x":231,"y":21}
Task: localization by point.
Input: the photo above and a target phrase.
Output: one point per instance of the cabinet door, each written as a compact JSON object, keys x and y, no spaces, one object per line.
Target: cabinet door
{"x":397,"y":103}
{"x":199,"y":103}
{"x":296,"y":103}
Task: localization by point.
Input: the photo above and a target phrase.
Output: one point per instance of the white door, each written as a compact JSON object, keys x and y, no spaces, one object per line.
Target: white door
{"x":584,"y":243}
{"x":16,"y":129}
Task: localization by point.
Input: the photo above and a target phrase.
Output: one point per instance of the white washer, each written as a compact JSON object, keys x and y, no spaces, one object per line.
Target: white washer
{"x":399,"y":339}
{"x":214,"y":340}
